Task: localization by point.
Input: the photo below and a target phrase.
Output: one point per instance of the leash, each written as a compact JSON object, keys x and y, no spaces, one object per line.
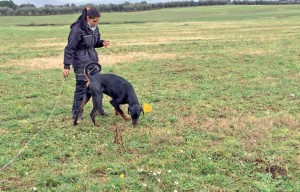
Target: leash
{"x":92,"y":70}
{"x":22,"y":149}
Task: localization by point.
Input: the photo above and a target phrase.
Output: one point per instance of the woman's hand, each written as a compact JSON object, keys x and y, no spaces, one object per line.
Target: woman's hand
{"x":66,"y":73}
{"x":106,"y":43}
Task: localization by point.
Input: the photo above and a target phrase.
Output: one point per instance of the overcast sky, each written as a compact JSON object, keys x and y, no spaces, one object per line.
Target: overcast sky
{"x":40,"y":3}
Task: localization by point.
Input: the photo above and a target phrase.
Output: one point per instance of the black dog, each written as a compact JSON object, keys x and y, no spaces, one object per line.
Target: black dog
{"x":119,"y":89}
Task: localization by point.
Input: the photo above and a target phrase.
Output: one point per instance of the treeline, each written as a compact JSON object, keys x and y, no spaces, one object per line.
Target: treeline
{"x":9,"y":8}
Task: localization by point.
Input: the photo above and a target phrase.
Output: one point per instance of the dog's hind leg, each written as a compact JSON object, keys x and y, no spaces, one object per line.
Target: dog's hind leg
{"x":119,"y":110}
{"x":93,"y":115}
{"x":85,"y":99}
{"x":97,"y":105}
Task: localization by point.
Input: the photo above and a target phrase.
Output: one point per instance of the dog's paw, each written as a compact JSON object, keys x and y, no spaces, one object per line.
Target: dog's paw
{"x":103,"y":114}
{"x":127,"y":118}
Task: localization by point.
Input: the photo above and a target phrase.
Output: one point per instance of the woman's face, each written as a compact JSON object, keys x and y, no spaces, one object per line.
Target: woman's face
{"x":93,"y":22}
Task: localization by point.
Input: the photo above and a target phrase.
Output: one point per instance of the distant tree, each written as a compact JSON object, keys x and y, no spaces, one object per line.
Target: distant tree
{"x":26,"y":11}
{"x":48,"y":6}
{"x":126,"y":3}
{"x":129,"y":7}
{"x":27,"y":5}
{"x":6,"y":11}
{"x":9,"y":4}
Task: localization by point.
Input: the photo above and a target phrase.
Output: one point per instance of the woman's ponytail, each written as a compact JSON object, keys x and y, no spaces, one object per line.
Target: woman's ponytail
{"x":82,"y":17}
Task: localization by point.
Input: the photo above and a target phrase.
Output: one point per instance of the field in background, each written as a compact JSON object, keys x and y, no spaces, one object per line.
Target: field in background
{"x":223,"y":82}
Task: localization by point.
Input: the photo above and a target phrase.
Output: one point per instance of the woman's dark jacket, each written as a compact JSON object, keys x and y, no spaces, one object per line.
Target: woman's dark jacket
{"x":81,"y":46}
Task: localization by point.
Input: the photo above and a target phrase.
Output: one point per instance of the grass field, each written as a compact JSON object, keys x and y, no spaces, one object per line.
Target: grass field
{"x":222,"y":80}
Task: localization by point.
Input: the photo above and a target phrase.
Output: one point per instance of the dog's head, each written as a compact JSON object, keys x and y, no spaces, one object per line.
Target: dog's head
{"x":135,"y":112}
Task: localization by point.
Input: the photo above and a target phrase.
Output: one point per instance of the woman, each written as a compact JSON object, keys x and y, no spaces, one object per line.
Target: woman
{"x":84,"y":37}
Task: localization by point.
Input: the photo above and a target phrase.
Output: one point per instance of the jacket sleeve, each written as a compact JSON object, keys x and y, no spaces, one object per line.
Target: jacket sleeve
{"x":99,"y":41}
{"x":70,"y":49}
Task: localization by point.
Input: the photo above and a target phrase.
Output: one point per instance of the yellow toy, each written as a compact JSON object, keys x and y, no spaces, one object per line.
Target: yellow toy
{"x":147,"y":108}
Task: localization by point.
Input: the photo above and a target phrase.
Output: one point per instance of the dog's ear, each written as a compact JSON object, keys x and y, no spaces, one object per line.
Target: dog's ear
{"x":129,"y":109}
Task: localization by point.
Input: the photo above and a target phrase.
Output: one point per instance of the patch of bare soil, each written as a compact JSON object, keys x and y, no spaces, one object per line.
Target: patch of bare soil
{"x":57,"y":61}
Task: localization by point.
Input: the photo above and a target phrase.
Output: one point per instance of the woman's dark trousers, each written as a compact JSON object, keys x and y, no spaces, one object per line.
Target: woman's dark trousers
{"x":79,"y":90}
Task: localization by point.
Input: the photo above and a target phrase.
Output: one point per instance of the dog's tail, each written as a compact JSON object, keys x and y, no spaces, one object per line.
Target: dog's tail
{"x":91,"y":69}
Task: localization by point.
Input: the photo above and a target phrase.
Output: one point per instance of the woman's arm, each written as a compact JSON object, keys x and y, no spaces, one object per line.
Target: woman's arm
{"x":100,"y":42}
{"x":71,"y":47}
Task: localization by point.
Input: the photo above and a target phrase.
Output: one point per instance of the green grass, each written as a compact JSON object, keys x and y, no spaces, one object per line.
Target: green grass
{"x":223,"y":82}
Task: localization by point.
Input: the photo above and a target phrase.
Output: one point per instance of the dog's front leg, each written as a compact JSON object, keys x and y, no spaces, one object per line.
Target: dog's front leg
{"x":126,"y":117}
{"x":119,"y":110}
